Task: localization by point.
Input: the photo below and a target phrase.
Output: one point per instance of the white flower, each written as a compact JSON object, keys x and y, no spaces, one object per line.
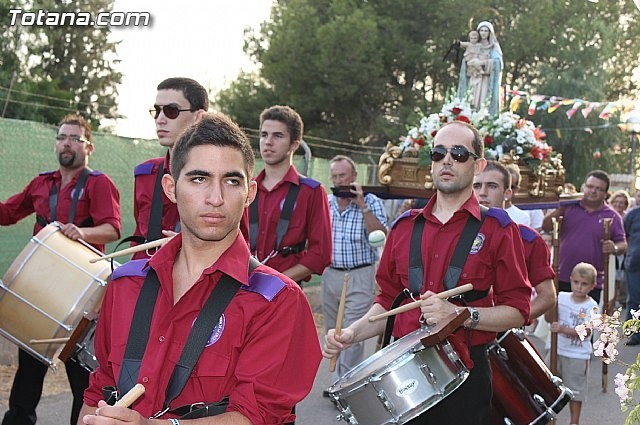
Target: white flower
{"x":635,"y":314}
{"x":621,"y":387}
{"x":582,"y":331}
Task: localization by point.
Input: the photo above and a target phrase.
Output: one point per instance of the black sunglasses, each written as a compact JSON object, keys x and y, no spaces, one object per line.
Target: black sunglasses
{"x":170,"y":111}
{"x":458,"y":153}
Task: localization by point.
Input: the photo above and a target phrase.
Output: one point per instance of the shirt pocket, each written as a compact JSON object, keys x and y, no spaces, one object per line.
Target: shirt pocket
{"x":208,"y":381}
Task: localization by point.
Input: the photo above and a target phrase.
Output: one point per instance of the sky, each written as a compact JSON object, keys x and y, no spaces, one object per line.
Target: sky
{"x":198,"y":39}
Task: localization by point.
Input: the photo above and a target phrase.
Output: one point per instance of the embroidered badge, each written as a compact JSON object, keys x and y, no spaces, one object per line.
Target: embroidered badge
{"x":217,"y":332}
{"x":477,"y":244}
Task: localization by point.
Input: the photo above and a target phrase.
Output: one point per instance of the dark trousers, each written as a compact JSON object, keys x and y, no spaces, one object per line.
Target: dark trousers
{"x":27,"y":390}
{"x":470,"y":403}
{"x":566,"y":287}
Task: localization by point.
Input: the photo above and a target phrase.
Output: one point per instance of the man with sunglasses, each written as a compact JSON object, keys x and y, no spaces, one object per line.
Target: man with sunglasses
{"x":93,"y":216}
{"x":582,"y":232}
{"x":180,"y":102}
{"x":494,"y":265}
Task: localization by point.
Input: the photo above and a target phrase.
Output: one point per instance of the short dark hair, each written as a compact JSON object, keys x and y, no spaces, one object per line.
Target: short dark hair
{"x":600,"y":175}
{"x":506,"y":176}
{"x":75,"y":119}
{"x":286,"y":115}
{"x":477,"y":143}
{"x":193,"y":91}
{"x":213,"y":129}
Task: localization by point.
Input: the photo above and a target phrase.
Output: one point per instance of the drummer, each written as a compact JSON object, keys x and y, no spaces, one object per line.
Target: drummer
{"x":179,"y":103}
{"x":492,"y":187}
{"x":94,"y":217}
{"x":495,"y":262}
{"x":262,"y":354}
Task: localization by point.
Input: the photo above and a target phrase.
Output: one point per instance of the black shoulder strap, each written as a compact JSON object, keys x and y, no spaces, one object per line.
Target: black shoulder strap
{"x":416,"y":269}
{"x":283,"y":222}
{"x":154,"y":230}
{"x":138,"y":333}
{"x":53,"y":196}
{"x":469,"y":234}
{"x":207,"y":319}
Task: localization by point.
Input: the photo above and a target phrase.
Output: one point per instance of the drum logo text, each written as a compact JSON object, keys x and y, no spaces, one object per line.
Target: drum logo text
{"x":407,"y":388}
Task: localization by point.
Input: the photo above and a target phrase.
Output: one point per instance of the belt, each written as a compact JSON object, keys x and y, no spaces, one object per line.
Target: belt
{"x":346,"y":269}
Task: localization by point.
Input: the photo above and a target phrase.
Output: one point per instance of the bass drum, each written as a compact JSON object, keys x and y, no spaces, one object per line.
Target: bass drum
{"x":47,"y":289}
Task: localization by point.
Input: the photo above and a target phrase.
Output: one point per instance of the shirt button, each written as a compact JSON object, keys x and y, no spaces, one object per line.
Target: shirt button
{"x":442,"y":229}
{"x":145,"y":379}
{"x":431,"y":284}
{"x":435,"y":255}
{"x":161,"y":338}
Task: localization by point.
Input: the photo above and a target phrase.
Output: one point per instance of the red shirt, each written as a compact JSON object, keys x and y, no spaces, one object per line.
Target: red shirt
{"x":537,"y":256}
{"x":496,"y":261}
{"x":310,"y":221}
{"x":99,"y":201}
{"x":145,"y":175}
{"x":263,"y":354}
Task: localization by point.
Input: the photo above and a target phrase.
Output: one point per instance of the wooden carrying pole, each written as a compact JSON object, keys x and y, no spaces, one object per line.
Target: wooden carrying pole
{"x":555,"y":242}
{"x":132,"y":250}
{"x":606,"y":223}
{"x":343,"y":299}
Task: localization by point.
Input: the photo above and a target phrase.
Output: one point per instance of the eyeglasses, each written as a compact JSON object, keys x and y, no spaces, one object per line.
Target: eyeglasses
{"x":170,"y":111}
{"x":458,"y":153}
{"x":72,"y":137}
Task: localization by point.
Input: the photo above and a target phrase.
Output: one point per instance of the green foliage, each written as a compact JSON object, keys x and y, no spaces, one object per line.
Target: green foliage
{"x":362,"y":71}
{"x":59,"y":68}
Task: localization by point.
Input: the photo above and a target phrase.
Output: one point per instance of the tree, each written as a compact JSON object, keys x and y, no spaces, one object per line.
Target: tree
{"x":362,"y":71}
{"x":65,"y":68}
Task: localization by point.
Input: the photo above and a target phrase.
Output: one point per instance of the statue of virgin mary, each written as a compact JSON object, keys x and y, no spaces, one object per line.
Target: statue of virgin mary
{"x":481,"y":73}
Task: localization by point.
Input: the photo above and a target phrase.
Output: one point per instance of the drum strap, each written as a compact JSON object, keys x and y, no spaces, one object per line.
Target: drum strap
{"x":154,"y":231}
{"x":283,"y":222}
{"x":53,"y":197}
{"x":202,"y":328}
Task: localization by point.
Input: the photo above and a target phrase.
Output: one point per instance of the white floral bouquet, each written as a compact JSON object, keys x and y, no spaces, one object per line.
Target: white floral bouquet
{"x":504,"y":134}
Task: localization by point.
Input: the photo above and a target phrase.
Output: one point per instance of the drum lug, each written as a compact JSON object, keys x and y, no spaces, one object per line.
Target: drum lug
{"x":385,"y":401}
{"x":502,"y":353}
{"x":347,"y":416}
{"x":550,"y":413}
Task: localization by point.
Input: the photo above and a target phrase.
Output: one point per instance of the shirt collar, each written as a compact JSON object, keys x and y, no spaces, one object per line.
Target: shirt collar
{"x":233,"y":262}
{"x":471,"y":205}
{"x":291,"y":176}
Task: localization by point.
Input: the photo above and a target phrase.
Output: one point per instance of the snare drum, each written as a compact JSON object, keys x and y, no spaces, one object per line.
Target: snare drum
{"x":399,"y":382}
{"x":524,"y":389}
{"x":47,"y":289}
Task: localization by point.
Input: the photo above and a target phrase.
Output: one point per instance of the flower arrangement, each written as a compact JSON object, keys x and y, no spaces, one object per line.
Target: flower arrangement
{"x":504,"y":134}
{"x":605,"y":347}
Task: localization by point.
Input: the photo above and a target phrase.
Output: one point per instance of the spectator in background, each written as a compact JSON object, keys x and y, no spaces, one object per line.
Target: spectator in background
{"x":632,"y":265}
{"x":516,"y":214}
{"x":620,"y":201}
{"x":352,"y":220}
{"x":582,"y":232}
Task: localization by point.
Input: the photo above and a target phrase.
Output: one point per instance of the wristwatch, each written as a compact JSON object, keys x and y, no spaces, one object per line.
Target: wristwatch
{"x":475,"y":318}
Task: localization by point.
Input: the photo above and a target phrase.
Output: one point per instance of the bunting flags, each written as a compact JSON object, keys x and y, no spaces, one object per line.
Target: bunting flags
{"x":537,"y":102}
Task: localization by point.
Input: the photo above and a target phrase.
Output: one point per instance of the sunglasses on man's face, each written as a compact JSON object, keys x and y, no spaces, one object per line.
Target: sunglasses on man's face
{"x":458,"y":153}
{"x":170,"y":111}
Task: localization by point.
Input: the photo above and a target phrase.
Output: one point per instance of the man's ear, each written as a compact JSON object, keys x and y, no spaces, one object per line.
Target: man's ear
{"x":251,"y":195}
{"x":294,"y":146}
{"x":169,"y":187}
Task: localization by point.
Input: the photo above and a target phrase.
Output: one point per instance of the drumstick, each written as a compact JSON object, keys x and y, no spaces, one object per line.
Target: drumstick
{"x":343,"y":298}
{"x":131,"y":396}
{"x":131,"y":250}
{"x":446,"y":294}
{"x":49,"y":341}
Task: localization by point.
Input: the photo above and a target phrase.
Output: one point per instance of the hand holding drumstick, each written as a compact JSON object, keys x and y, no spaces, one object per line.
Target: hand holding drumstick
{"x":116,"y":411}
